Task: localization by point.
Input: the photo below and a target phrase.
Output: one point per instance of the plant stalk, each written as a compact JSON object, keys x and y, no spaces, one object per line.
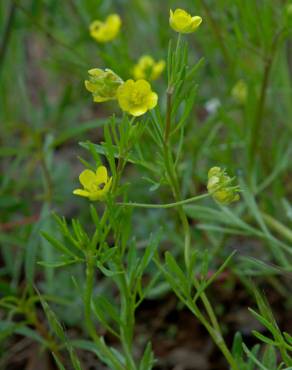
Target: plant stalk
{"x":102,"y":347}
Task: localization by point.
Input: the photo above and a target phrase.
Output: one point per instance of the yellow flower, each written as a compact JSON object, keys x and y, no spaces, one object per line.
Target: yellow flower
{"x":148,"y":69}
{"x":96,"y":185}
{"x":106,"y":31}
{"x":183,"y":22}
{"x":136,"y":97}
{"x":226,"y":193}
{"x":103,"y":84}
{"x":240,"y":92}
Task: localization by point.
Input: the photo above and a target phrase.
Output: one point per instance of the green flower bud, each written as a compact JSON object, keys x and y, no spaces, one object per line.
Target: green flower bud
{"x":103,"y":84}
{"x":219,"y":186}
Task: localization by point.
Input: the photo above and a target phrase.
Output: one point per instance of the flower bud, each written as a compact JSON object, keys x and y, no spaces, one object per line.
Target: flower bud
{"x":103,"y":84}
{"x":219,"y":186}
{"x":107,"y":30}
{"x":240,"y":92}
{"x":182,"y":22}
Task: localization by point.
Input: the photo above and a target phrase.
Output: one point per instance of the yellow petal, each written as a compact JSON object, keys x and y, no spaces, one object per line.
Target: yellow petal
{"x":89,"y":86}
{"x":143,"y":85}
{"x":138,"y":72}
{"x":146,"y":61}
{"x":196,"y":21}
{"x":114,"y":22}
{"x":100,"y":99}
{"x":152,"y":100}
{"x":81,"y":192}
{"x":101,"y":175}
{"x":137,"y":111}
{"x":158,"y":69}
{"x":86,"y":178}
{"x":183,"y":22}
{"x":98,"y":195}
{"x":101,"y":194}
{"x":95,"y":72}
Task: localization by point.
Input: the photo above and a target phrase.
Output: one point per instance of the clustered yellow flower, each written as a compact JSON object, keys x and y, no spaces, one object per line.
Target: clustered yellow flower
{"x":239,"y":92}
{"x":148,"y":69}
{"x":103,"y":84}
{"x":219,"y":186}
{"x":96,"y":184}
{"x":136,"y":97}
{"x":183,"y":22}
{"x":106,"y":31}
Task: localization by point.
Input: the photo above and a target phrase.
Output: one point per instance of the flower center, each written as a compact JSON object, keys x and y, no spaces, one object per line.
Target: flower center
{"x":96,"y":186}
{"x":97,"y":26}
{"x":137,"y":97}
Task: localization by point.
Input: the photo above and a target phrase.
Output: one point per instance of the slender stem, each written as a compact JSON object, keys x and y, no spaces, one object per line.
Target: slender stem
{"x":167,"y":205}
{"x":7,"y":32}
{"x":169,"y":93}
{"x":217,"y":32}
{"x":169,"y":166}
{"x":258,"y":120}
{"x":42,"y":330}
{"x":88,"y":293}
{"x":277,"y":226}
{"x":123,"y":152}
{"x":48,"y":178}
{"x":128,"y":321}
{"x":214,"y":330}
{"x":106,"y":352}
{"x":177,"y":196}
{"x":177,"y":45}
{"x":216,"y":336}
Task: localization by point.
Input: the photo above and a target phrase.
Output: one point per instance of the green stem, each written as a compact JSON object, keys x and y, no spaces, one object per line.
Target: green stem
{"x":88,"y":294}
{"x":258,"y":120}
{"x":102,"y":347}
{"x":216,"y":336}
{"x":214,"y":331}
{"x":128,"y":322}
{"x":169,"y":93}
{"x":42,"y":330}
{"x":7,"y":32}
{"x":123,"y":152}
{"x":167,"y":205}
{"x":277,"y":226}
{"x":48,"y":178}
{"x":176,"y":193}
{"x":217,"y":32}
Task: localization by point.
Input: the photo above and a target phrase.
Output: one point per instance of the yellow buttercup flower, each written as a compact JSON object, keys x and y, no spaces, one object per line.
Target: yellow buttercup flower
{"x":136,"y":97}
{"x":183,"y":22}
{"x":103,"y":84}
{"x":219,"y":185}
{"x":148,"y":69}
{"x":96,"y":184}
{"x":239,"y":92}
{"x":106,"y":31}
